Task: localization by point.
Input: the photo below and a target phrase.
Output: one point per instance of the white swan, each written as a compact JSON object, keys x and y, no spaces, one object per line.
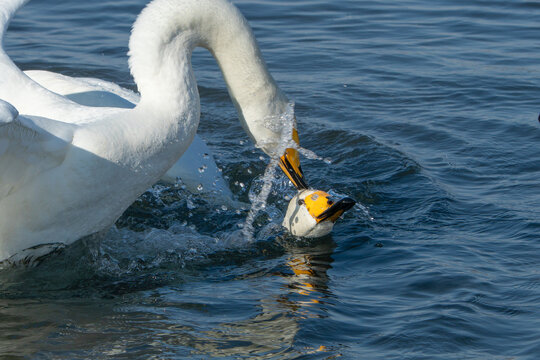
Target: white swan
{"x":68,"y":170}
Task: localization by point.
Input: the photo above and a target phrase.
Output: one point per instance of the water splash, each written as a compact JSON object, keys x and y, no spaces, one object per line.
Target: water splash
{"x":312,"y":155}
{"x":284,"y":126}
{"x":258,"y":201}
{"x":358,"y":206}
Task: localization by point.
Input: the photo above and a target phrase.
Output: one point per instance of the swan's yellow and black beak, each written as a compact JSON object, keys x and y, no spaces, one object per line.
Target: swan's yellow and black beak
{"x":336,"y":210}
{"x":321,"y":207}
{"x":290,"y":164}
{"x":318,"y":203}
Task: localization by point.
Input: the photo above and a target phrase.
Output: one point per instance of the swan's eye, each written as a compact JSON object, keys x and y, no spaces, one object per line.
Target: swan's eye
{"x":301,"y":202}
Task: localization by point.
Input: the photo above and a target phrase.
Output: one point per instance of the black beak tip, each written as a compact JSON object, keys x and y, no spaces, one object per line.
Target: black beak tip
{"x":347,"y":203}
{"x":342,"y":205}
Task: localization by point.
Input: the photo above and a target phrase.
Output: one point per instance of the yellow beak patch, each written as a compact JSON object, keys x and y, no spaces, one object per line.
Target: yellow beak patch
{"x":290,"y":164}
{"x":317,"y":203}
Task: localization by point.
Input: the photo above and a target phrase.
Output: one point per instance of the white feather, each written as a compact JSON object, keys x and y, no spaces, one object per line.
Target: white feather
{"x":196,"y":168}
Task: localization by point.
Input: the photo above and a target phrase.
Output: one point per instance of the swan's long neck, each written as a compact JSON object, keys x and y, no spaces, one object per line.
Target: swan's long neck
{"x":161,"y":44}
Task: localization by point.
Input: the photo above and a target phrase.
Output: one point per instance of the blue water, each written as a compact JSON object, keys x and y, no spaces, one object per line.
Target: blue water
{"x":429,"y":112}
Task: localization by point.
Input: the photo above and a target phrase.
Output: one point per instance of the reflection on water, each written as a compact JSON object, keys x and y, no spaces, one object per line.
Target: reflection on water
{"x":308,"y":286}
{"x":104,"y":307}
{"x":273,"y":327}
{"x":271,"y":331}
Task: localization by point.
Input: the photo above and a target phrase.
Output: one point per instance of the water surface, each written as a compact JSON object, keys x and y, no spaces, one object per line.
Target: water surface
{"x":428,"y":111}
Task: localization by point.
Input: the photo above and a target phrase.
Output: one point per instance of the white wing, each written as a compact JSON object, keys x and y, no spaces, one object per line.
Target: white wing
{"x":29,"y":146}
{"x":86,"y":91}
{"x":196,"y":168}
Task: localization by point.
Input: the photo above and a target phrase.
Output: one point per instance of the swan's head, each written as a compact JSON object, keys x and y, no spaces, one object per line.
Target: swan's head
{"x":312,"y":213}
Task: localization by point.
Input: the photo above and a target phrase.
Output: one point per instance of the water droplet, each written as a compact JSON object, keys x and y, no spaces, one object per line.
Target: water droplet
{"x":241,"y":185}
{"x":205,"y":156}
{"x":249,"y":171}
{"x":200,"y":187}
{"x":261,"y":158}
{"x":202,"y":169}
{"x":241,"y":142}
{"x":224,"y":208}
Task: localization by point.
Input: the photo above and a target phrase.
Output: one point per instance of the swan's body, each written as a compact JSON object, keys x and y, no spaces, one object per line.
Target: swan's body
{"x":196,"y":168}
{"x":69,"y":170}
